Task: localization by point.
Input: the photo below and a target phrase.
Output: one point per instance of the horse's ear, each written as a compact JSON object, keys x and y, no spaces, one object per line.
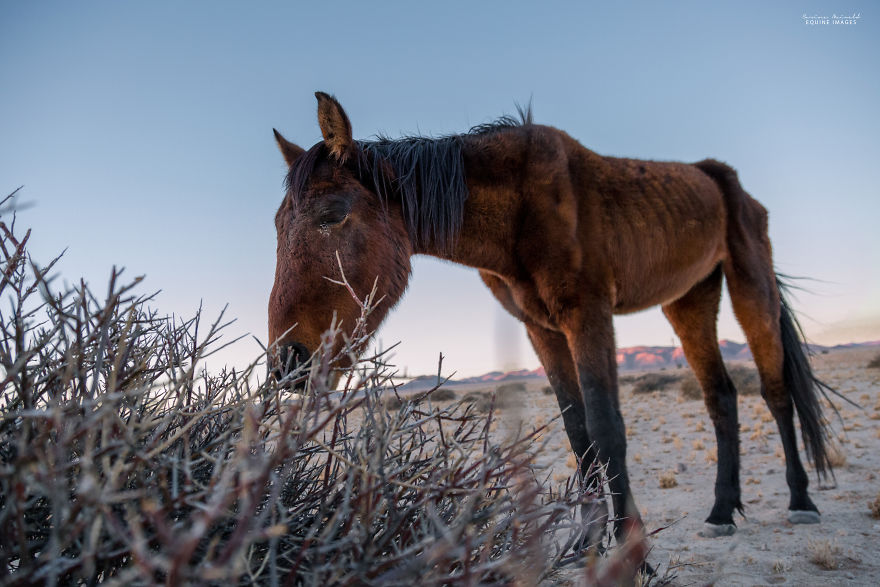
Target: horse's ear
{"x":289,"y":151}
{"x":334,"y":126}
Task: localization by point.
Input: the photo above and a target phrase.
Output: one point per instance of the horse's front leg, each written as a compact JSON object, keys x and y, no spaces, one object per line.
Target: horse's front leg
{"x":552,"y":348}
{"x":591,"y":341}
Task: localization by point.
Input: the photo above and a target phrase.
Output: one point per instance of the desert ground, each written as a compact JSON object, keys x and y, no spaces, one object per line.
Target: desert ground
{"x":672,"y":457}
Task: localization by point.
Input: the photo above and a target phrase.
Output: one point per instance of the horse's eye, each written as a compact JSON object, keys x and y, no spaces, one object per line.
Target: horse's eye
{"x":333,"y":212}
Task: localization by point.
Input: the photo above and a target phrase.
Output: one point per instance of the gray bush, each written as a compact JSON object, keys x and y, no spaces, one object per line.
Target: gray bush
{"x":123,"y":461}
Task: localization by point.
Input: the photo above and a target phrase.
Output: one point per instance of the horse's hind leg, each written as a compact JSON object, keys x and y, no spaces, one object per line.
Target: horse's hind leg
{"x":757,"y":305}
{"x":787,"y":382}
{"x":693,"y":316}
{"x":552,"y":349}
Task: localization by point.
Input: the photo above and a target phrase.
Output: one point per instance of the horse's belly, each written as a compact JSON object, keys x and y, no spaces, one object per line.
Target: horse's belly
{"x":658,"y":293}
{"x":666,"y":270}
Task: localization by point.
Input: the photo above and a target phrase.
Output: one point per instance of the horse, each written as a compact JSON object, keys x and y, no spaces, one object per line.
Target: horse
{"x":565,"y":239}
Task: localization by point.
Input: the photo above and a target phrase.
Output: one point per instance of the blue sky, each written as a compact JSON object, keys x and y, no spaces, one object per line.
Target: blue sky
{"x":142,"y":135}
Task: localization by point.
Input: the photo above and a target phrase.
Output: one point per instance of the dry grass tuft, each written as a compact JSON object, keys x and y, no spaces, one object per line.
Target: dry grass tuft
{"x":874,"y":507}
{"x":442,"y":394}
{"x":650,"y":382}
{"x":781,"y":566}
{"x":745,"y":380}
{"x":481,"y":401}
{"x":824,"y":553}
{"x":392,"y":401}
{"x":874,"y":363}
{"x":507,"y":395}
{"x":690,"y":388}
{"x":668,"y":479}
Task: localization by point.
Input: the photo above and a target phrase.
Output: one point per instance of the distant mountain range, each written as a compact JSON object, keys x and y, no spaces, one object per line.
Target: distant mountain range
{"x":655,"y":357}
{"x":628,"y":359}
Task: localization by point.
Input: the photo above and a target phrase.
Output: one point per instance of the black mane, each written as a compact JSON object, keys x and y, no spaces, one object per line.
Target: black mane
{"x":427,"y":176}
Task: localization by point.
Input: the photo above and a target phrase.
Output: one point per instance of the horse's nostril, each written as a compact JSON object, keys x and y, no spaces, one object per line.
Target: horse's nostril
{"x":300,"y":354}
{"x":290,"y":356}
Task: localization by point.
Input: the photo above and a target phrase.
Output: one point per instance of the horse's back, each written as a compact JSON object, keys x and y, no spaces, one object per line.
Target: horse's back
{"x":662,"y":224}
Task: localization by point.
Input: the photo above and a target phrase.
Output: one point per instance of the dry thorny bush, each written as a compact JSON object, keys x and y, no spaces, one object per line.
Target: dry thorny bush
{"x":123,"y":461}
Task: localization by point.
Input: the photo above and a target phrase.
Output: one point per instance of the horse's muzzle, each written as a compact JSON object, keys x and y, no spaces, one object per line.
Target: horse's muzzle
{"x":290,"y":357}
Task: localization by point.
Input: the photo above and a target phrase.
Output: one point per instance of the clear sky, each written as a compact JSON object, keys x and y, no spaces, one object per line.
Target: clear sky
{"x":141,"y":132}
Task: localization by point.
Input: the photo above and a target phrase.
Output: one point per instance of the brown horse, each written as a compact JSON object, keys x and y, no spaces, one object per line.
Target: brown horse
{"x":565,"y":238}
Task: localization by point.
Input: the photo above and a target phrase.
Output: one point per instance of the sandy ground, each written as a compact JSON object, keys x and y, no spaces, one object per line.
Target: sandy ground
{"x":672,"y":438}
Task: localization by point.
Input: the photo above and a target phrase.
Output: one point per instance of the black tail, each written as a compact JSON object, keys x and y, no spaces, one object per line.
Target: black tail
{"x":805,"y":388}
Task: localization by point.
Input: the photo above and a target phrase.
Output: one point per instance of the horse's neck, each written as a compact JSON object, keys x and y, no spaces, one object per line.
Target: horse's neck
{"x":493,"y":172}
{"x":487,"y":237}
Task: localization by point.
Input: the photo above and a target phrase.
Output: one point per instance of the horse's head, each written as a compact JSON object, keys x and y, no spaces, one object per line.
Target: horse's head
{"x":332,"y":215}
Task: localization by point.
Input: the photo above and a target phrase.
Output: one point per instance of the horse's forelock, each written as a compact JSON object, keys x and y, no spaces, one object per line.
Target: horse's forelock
{"x":299,"y":173}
